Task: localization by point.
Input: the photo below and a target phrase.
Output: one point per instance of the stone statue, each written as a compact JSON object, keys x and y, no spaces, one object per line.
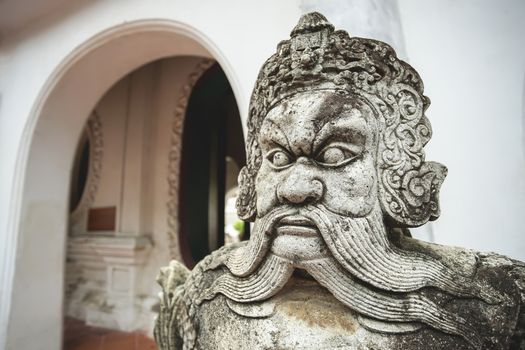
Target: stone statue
{"x":336,"y":175}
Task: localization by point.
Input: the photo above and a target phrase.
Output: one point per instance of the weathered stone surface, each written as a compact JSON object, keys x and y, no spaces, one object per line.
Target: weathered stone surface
{"x":335,"y":177}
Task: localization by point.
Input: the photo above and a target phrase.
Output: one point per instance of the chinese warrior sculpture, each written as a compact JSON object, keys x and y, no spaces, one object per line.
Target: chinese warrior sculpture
{"x":336,"y":175}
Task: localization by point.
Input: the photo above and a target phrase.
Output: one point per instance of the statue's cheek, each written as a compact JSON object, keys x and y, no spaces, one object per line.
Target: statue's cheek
{"x":265,"y":185}
{"x":351,"y":190}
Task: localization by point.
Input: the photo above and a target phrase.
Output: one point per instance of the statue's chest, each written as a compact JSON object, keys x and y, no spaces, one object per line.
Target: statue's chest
{"x":309,"y":319}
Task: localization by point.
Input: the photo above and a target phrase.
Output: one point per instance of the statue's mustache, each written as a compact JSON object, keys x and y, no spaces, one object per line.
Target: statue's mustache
{"x":362,"y":248}
{"x":246,"y":259}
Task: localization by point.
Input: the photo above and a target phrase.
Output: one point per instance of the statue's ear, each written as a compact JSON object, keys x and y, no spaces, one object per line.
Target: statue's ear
{"x":247,"y":199}
{"x":412,"y":199}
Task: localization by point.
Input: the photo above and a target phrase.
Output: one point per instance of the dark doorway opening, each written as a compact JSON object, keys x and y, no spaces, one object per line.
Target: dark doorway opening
{"x":212,"y":153}
{"x":80,"y":172}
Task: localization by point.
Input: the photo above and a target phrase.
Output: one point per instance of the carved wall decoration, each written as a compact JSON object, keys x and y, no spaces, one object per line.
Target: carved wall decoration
{"x":77,"y":219}
{"x":176,"y":129}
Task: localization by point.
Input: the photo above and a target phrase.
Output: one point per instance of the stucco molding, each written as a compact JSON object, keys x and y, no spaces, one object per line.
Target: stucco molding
{"x":175,"y":153}
{"x":96,"y":154}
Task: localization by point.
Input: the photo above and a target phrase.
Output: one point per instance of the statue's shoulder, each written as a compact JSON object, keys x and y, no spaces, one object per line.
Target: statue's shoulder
{"x":508,"y":274}
{"x":504,"y":274}
{"x":469,"y":262}
{"x":176,"y":325}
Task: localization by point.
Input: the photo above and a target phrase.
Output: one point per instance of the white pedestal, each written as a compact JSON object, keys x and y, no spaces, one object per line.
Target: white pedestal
{"x":101,"y":281}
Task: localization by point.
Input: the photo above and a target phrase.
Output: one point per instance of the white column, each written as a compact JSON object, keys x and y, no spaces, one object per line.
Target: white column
{"x":137,"y":139}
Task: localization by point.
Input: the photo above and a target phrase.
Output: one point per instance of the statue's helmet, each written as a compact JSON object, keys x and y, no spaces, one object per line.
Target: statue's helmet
{"x":317,"y":57}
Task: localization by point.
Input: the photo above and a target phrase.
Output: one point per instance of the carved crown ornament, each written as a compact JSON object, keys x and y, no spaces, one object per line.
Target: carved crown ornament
{"x":317,"y":57}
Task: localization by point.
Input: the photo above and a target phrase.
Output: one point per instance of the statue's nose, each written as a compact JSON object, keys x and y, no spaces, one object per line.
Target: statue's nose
{"x":300,"y":187}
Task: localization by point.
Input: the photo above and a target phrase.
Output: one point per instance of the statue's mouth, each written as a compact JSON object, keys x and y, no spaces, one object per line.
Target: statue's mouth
{"x":297,"y":225}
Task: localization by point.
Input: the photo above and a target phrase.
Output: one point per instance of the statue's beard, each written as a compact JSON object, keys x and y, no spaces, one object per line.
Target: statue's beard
{"x":363,"y":270}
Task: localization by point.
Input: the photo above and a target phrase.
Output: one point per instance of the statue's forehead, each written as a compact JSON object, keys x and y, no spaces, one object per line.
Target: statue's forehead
{"x":315,"y":103}
{"x":308,"y":118}
{"x":317,"y":107}
{"x":310,"y":111}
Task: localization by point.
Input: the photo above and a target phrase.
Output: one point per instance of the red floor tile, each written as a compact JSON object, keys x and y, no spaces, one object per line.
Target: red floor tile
{"x":79,"y":336}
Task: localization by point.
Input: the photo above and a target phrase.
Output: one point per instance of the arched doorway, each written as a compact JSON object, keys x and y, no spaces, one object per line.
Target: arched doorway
{"x":44,"y":165}
{"x":122,"y":179}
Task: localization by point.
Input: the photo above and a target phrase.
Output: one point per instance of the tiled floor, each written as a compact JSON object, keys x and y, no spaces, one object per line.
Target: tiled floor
{"x":79,"y":336}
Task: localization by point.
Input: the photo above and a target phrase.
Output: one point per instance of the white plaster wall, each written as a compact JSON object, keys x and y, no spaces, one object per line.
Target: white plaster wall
{"x":471,"y":57}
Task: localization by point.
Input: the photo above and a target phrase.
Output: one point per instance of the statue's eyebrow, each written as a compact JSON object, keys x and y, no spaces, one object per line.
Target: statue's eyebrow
{"x":276,"y":137}
{"x":342,"y":129}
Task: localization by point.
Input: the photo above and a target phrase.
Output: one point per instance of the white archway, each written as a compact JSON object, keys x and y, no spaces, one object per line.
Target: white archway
{"x":38,"y":221}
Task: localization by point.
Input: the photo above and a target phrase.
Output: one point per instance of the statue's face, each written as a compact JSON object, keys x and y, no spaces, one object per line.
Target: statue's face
{"x":318,"y":148}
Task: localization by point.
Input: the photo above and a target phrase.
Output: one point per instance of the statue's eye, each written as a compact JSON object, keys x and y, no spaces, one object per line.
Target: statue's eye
{"x":279,"y":159}
{"x":335,"y":156}
{"x":332,"y":155}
